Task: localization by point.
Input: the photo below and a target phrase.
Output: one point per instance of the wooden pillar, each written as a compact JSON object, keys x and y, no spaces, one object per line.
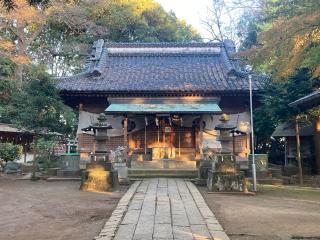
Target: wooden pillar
{"x":34,"y":165}
{"x":201,"y":136}
{"x":285,"y":151}
{"x":316,"y":139}
{"x":298,"y":151}
{"x":125,"y":139}
{"x":80,"y":106}
{"x":145,"y":140}
{"x":233,"y":143}
{"x":163,"y":133}
{"x":179,"y":142}
{"x":25,"y":150}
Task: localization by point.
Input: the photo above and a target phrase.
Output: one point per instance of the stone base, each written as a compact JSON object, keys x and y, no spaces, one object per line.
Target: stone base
{"x":68,"y":173}
{"x":52,"y":171}
{"x":204,"y":167}
{"x":201,"y":182}
{"x":124,"y":181}
{"x":219,"y":182}
{"x":98,"y":178}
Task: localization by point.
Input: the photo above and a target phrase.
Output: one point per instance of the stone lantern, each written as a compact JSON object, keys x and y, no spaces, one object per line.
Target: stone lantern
{"x":225,"y":138}
{"x":100,"y":129}
{"x":99,"y":174}
{"x":224,"y":175}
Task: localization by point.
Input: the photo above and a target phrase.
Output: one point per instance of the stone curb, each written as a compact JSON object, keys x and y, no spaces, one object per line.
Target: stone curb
{"x":213,"y":225}
{"x":109,"y":230}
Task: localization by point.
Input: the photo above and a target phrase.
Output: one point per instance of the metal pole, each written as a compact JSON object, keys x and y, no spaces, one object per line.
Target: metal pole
{"x":254,"y":174}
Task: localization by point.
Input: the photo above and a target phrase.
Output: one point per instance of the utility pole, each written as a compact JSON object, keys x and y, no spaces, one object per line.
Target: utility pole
{"x":254,"y":173}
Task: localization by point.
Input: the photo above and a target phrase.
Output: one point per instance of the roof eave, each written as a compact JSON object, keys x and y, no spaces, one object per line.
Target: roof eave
{"x":156,"y":92}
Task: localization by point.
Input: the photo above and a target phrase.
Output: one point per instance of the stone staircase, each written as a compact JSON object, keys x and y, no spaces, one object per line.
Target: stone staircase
{"x":164,"y":164}
{"x":167,"y":173}
{"x":163,"y":168}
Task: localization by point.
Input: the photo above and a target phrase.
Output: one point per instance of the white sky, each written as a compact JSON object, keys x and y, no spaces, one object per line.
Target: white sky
{"x":192,"y":11}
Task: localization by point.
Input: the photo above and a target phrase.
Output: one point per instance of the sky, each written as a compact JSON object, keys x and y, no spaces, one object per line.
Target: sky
{"x":192,"y":11}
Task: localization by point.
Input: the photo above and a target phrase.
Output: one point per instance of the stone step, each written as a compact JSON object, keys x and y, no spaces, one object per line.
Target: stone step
{"x":57,"y":179}
{"x":68,"y":173}
{"x":275,"y":172}
{"x":163,"y":164}
{"x":175,"y":173}
{"x":269,"y":181}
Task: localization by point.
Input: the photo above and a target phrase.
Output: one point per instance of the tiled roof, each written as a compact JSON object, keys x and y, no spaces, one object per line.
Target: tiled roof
{"x":4,"y":127}
{"x":160,"y":67}
{"x":309,"y":101}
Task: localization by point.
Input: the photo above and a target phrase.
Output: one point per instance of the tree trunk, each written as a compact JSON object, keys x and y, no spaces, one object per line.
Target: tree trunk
{"x":21,"y":51}
{"x":34,"y":165}
{"x":18,"y":75}
{"x":298,"y":151}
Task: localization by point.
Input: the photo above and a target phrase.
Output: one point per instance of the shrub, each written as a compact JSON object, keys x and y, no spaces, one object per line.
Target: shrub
{"x":10,"y":152}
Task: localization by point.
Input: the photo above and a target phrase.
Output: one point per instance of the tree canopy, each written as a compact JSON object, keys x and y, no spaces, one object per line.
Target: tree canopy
{"x":287,"y":38}
{"x":38,"y":107}
{"x":282,"y":40}
{"x":57,"y":34}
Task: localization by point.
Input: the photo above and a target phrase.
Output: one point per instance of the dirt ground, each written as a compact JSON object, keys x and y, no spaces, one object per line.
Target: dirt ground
{"x":276,"y":212}
{"x":51,"y":210}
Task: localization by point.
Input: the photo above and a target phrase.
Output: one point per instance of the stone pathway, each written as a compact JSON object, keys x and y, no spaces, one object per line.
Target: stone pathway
{"x":162,"y":208}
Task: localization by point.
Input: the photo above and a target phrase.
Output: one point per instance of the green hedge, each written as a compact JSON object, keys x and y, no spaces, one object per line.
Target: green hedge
{"x":10,"y":152}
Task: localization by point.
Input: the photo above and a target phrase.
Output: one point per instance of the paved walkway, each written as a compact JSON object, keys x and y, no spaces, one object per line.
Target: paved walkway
{"x":162,"y":208}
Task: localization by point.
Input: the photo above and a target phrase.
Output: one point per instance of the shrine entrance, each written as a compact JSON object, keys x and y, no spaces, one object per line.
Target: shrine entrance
{"x":172,"y":129}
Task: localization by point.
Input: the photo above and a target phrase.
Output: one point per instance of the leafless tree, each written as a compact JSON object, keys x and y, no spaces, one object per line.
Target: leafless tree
{"x":223,"y":17}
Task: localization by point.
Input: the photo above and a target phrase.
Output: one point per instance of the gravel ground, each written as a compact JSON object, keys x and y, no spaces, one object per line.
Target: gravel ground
{"x":275,"y":213}
{"x":52,"y":210}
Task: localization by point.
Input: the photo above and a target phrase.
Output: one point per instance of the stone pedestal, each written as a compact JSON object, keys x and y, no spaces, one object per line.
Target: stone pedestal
{"x":99,"y":176}
{"x":219,"y":181}
{"x":204,"y":167}
{"x":122,"y":170}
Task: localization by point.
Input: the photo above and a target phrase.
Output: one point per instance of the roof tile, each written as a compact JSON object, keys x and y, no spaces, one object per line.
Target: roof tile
{"x":137,"y":67}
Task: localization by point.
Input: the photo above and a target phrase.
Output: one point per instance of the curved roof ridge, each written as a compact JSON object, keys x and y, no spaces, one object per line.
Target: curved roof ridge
{"x":162,"y":44}
{"x":151,"y":67}
{"x":231,"y":65}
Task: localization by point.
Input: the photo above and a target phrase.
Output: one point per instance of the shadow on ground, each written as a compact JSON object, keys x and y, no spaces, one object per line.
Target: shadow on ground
{"x":276,"y":212}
